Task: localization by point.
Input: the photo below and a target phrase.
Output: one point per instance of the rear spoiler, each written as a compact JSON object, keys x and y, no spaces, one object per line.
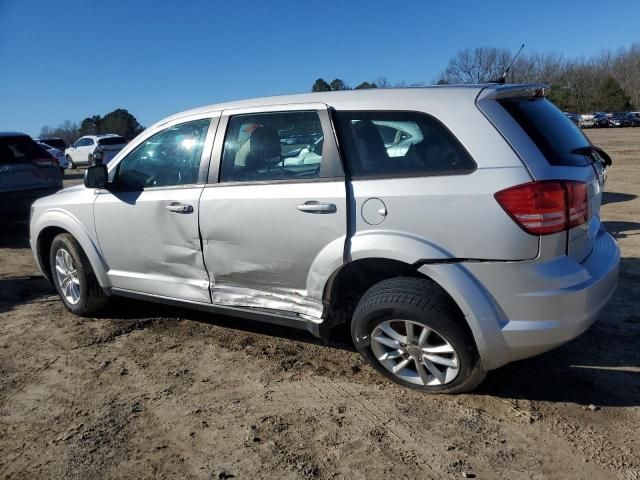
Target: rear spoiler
{"x":496,"y":91}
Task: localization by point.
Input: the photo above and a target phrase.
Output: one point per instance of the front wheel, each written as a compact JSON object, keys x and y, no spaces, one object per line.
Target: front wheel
{"x":73,"y":277}
{"x":409,"y":330}
{"x":72,"y":165}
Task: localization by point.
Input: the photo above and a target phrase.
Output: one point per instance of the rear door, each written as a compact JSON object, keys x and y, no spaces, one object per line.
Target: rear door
{"x":266,"y":216}
{"x":25,"y":166}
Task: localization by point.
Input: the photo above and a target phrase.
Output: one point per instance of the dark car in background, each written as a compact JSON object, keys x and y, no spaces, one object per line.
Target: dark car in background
{"x":27,"y":172}
{"x":54,"y":142}
{"x":574,"y":117}
{"x":620,"y":119}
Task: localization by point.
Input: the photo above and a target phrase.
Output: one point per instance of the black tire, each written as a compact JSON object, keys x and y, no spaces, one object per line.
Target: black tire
{"x":72,"y":165}
{"x":418,"y":300}
{"x":91,"y":296}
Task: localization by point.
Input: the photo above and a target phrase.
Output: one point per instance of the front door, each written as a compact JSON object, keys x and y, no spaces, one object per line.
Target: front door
{"x":279,"y":207}
{"x":147,"y":220}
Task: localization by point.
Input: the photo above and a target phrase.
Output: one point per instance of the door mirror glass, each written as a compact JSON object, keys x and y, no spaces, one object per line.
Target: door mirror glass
{"x":96,"y":176}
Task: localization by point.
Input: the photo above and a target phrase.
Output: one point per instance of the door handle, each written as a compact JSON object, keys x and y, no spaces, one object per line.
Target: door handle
{"x":178,"y":207}
{"x":317,"y":207}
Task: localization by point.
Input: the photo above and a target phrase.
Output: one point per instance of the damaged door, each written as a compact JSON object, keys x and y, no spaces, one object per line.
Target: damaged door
{"x":147,"y":219}
{"x":276,"y":199}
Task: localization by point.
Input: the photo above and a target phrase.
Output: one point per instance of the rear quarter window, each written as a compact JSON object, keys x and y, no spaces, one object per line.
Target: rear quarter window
{"x":554,"y":134}
{"x":398,"y":143}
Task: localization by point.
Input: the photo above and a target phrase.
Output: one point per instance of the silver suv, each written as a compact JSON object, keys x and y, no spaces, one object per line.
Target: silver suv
{"x":476,"y":243}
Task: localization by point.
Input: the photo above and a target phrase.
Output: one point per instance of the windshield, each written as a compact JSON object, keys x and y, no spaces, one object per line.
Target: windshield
{"x":552,"y":132}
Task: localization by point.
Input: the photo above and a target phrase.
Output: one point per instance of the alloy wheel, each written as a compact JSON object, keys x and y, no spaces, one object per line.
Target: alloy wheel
{"x":67,"y":276}
{"x":415,"y":353}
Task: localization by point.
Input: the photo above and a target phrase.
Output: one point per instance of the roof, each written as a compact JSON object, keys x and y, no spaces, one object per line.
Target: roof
{"x":374,"y":98}
{"x":13,"y":134}
{"x":344,"y":99}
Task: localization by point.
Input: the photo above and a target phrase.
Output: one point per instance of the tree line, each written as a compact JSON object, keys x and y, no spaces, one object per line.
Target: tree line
{"x":609,"y":81}
{"x":120,"y":122}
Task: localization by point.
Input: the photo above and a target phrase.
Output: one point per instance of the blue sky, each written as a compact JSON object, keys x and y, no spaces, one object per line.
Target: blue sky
{"x":67,"y":59}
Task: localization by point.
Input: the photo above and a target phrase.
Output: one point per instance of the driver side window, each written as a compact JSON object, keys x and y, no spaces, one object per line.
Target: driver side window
{"x":170,"y":157}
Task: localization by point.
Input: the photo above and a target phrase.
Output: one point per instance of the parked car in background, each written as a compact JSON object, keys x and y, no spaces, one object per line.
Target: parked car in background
{"x":574,"y":117}
{"x":62,"y":161}
{"x":109,"y":147}
{"x":54,"y":142}
{"x":27,"y":172}
{"x":634,"y":119}
{"x":620,"y":119}
{"x":78,"y":153}
{"x":478,"y":244}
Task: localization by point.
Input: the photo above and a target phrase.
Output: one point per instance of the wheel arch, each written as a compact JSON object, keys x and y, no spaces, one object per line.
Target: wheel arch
{"x":480,"y":313}
{"x":53,"y":223}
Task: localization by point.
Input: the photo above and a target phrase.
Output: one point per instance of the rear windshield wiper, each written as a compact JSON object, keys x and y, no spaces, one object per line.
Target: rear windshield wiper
{"x":588,"y":151}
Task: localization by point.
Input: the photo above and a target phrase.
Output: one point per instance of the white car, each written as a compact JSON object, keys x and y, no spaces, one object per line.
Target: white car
{"x":58,"y":154}
{"x":78,"y":153}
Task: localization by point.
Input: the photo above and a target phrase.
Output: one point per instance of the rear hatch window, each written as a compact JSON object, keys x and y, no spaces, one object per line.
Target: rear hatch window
{"x":20,"y":149}
{"x":552,"y":132}
{"x":106,"y":142}
{"x":55,"y":143}
{"x":24,"y":165}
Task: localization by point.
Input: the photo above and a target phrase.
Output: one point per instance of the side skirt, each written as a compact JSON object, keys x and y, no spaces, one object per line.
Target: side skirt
{"x":275,"y":317}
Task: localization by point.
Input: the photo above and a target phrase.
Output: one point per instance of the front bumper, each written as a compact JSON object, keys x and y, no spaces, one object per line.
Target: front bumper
{"x":542,"y":305}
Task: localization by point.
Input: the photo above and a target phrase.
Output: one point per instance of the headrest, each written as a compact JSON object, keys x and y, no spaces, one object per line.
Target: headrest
{"x":264,"y":148}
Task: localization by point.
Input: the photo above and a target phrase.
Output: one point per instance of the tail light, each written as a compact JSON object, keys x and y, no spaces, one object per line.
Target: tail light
{"x":546,"y":207}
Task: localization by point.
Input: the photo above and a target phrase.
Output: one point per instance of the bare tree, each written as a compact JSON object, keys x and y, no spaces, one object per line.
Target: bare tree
{"x":67,"y":130}
{"x":477,"y":65}
{"x":625,"y":69}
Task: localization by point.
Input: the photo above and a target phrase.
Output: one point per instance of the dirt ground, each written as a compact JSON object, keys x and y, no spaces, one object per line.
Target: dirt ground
{"x":148,"y":391}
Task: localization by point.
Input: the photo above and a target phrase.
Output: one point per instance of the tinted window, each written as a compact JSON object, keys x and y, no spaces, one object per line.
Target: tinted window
{"x":55,"y":143}
{"x":20,"y":149}
{"x":112,"y":141}
{"x":553,"y":133}
{"x":400,"y":143}
{"x":272,"y":146}
{"x":170,"y":157}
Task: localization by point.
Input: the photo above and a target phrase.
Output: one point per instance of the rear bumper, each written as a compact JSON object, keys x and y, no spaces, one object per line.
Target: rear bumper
{"x":542,"y":305}
{"x":18,"y":203}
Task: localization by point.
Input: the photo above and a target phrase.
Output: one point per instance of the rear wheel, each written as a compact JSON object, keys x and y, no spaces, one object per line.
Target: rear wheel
{"x":410,"y":331}
{"x":71,"y":164}
{"x":73,"y":277}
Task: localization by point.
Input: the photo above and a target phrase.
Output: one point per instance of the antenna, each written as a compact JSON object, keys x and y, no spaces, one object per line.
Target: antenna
{"x":503,"y":77}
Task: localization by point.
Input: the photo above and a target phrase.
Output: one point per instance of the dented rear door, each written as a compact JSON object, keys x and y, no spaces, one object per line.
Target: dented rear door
{"x":274,"y":208}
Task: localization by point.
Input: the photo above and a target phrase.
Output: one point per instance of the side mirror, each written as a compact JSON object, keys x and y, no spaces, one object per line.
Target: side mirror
{"x":96,"y":176}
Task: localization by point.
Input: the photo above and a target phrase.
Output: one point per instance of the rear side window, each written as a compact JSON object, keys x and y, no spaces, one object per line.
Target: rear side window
{"x":274,"y":146}
{"x":400,"y":144}
{"x":20,"y":149}
{"x":552,"y":132}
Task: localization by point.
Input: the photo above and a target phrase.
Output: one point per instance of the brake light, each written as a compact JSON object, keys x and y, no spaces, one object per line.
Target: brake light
{"x":546,"y":207}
